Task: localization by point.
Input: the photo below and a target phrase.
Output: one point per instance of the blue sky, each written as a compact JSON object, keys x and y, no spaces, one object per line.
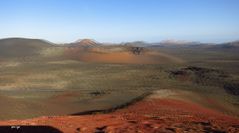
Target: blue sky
{"x":121,"y":20}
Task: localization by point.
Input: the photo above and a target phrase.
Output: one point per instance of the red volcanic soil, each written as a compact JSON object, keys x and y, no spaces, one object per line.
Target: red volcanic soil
{"x":120,"y":57}
{"x":151,"y":115}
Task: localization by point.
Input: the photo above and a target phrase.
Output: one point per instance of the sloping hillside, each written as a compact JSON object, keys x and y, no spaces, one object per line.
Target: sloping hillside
{"x":161,"y":112}
{"x":20,"y":47}
{"x":125,"y":55}
{"x":84,"y":43}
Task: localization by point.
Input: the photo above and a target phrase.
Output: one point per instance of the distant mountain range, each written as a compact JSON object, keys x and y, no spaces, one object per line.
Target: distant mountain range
{"x":92,"y":42}
{"x":28,"y":47}
{"x":138,"y":52}
{"x":175,"y":43}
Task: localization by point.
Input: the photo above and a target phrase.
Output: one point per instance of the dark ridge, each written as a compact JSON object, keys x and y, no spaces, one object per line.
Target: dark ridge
{"x":208,"y":77}
{"x":133,"y":101}
{"x":28,"y":129}
{"x":200,"y":75}
{"x":232,"y":88}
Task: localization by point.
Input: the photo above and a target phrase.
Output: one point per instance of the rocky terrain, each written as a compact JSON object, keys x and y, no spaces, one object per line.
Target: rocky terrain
{"x":164,"y":111}
{"x":87,"y":86}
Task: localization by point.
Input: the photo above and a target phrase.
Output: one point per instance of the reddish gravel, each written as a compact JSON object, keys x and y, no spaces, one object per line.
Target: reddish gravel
{"x":147,"y":116}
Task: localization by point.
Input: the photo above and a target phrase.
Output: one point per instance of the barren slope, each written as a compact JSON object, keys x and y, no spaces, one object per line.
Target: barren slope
{"x":20,"y":47}
{"x":123,"y":56}
{"x":165,"y":111}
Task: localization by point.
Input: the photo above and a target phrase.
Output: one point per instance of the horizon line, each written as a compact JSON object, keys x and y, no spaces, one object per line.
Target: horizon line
{"x":122,"y":42}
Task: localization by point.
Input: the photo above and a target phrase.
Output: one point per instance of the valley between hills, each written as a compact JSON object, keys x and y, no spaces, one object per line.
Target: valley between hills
{"x":88,"y":86}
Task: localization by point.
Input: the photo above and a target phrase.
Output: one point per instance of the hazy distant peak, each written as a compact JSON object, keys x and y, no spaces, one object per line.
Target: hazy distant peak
{"x":86,"y":40}
{"x":234,"y":43}
{"x":177,"y":42}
